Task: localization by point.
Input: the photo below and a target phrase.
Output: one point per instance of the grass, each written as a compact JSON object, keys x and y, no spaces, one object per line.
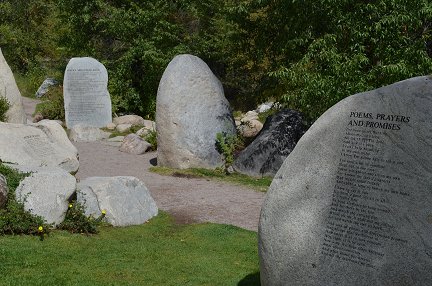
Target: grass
{"x":259,"y":184}
{"x":159,"y":252}
{"x":115,"y":133}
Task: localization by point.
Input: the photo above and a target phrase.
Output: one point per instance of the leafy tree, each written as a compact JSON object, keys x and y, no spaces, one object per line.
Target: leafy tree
{"x":27,"y":32}
{"x":137,"y":39}
{"x":311,"y":54}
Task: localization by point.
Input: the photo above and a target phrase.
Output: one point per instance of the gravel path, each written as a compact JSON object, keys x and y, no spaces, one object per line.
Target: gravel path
{"x":189,"y":200}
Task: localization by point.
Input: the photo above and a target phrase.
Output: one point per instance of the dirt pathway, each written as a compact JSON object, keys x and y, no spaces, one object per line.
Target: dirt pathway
{"x":187,"y":199}
{"x":29,"y":105}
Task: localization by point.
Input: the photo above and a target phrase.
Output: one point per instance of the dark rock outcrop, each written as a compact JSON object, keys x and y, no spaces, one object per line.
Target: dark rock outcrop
{"x":265,"y":155}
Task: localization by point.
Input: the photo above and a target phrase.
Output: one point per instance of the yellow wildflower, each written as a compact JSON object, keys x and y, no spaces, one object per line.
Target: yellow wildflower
{"x":104,"y":212}
{"x":40,"y":228}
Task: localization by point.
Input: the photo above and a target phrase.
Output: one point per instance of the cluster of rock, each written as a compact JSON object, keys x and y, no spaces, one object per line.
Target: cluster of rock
{"x":88,"y":108}
{"x":191,"y":110}
{"x":248,"y":124}
{"x":45,"y":152}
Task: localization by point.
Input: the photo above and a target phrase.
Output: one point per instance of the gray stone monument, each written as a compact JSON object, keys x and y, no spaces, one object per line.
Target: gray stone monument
{"x":86,"y":98}
{"x":352,"y":204}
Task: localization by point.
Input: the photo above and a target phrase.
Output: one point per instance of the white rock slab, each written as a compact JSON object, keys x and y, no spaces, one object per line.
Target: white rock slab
{"x":41,"y":144}
{"x":9,"y":89}
{"x":126,"y":200}
{"x":86,"y":98}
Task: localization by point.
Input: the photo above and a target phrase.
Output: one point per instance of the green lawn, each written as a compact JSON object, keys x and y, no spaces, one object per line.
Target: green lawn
{"x":156,"y":253}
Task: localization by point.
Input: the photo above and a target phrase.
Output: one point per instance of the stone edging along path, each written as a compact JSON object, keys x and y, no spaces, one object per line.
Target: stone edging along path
{"x":189,"y":200}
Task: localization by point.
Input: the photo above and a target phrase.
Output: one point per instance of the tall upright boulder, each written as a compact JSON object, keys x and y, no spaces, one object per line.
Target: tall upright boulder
{"x":9,"y":89}
{"x":190,"y":110}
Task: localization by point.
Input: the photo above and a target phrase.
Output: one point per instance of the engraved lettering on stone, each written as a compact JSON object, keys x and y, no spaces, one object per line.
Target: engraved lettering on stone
{"x":354,"y":231}
{"x":38,"y":146}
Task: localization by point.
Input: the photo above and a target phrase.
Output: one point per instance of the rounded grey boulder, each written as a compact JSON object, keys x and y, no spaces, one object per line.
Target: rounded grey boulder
{"x":190,"y":110}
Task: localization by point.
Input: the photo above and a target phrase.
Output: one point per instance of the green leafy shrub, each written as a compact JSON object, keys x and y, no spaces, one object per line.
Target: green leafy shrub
{"x":151,"y":138}
{"x":52,"y":106}
{"x":77,"y":222}
{"x":13,"y":218}
{"x":4,"y":106}
{"x":227,"y":145}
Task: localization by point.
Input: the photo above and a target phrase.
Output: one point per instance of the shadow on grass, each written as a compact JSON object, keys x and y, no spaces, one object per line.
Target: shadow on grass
{"x":251,"y":280}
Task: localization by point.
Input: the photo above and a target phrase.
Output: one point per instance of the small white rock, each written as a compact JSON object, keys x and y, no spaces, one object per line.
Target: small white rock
{"x":123,"y":127}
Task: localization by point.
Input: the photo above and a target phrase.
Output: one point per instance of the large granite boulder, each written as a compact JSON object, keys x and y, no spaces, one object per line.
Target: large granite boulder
{"x":126,"y":200}
{"x":265,"y":155}
{"x":351,"y":205}
{"x":190,"y":110}
{"x":9,"y":89}
{"x":41,"y":144}
{"x":46,"y":193}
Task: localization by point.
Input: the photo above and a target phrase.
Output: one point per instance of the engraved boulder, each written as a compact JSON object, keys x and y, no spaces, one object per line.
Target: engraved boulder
{"x":41,"y":144}
{"x":86,"y":98}
{"x":352,"y":203}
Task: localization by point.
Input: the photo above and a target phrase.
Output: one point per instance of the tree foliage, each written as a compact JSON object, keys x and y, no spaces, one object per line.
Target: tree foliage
{"x":306,"y":54}
{"x":311,"y":54}
{"x":136,"y":40}
{"x":28,"y":32}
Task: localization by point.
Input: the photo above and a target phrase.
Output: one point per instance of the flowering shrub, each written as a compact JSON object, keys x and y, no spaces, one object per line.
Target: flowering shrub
{"x":77,"y":222}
